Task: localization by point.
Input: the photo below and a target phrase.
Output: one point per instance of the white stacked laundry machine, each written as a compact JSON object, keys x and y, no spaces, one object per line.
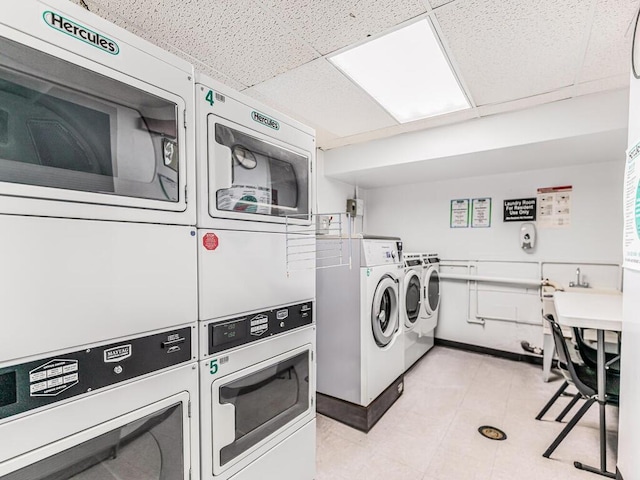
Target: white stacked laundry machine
{"x":99,"y":272}
{"x":257,"y":330}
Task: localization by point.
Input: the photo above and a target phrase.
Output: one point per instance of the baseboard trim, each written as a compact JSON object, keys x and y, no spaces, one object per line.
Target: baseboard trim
{"x":357,"y":416}
{"x":519,"y":357}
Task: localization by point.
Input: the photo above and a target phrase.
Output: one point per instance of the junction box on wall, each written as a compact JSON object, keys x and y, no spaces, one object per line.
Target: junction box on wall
{"x":355,"y":207}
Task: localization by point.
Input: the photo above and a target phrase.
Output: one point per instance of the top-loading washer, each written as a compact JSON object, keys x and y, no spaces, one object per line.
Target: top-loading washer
{"x":360,"y":342}
{"x":254,"y":196}
{"x":96,"y":164}
{"x":413,"y":310}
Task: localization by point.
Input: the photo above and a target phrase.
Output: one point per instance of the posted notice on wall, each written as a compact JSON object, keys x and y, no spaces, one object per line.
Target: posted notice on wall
{"x":554,"y":207}
{"x":459,"y":214}
{"x":481,"y":212}
{"x":631,"y":239}
{"x":519,"y":210}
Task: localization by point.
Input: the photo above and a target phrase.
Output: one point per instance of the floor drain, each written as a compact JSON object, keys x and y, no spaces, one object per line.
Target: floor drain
{"x":492,"y":433}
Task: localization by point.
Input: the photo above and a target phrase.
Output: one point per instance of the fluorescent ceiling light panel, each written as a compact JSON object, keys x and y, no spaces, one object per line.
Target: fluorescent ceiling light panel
{"x":406,"y":72}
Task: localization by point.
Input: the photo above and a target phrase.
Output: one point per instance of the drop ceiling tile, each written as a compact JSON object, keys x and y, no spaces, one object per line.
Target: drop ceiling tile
{"x":609,"y":48}
{"x":318,"y":93}
{"x":235,"y":37}
{"x":508,"y":50}
{"x":158,"y":39}
{"x":329,"y":25}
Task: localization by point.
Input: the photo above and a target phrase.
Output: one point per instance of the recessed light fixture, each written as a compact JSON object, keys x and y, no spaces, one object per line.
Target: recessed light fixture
{"x":406,"y":72}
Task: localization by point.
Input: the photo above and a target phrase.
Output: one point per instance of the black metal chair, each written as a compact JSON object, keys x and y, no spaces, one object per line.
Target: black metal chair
{"x":589,"y":354}
{"x":585,"y":380}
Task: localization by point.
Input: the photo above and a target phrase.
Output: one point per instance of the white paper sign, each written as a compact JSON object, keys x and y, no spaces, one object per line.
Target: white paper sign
{"x":459,"y":215}
{"x":631,"y":239}
{"x":481,"y":212}
{"x":554,"y":207}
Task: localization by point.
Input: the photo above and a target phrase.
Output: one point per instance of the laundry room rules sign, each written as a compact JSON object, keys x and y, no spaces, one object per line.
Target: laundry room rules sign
{"x":520,"y":210}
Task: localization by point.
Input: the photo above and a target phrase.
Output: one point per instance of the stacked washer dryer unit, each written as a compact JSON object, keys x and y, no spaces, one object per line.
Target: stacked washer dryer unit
{"x":257,"y":332}
{"x":360,"y":342}
{"x":97,"y":353}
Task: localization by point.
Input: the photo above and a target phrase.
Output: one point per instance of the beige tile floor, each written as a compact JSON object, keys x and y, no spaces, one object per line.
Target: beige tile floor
{"x":430,"y":433}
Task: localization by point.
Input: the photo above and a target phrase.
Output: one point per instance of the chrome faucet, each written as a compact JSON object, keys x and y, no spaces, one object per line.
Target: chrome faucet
{"x":578,"y":283}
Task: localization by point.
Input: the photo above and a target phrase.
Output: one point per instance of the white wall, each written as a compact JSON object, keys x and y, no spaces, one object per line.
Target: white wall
{"x":419,"y":214}
{"x":576,"y":131}
{"x":332,"y":194}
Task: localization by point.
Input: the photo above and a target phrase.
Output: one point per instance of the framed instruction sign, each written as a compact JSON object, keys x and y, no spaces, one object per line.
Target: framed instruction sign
{"x":520,"y":210}
{"x":481,"y":212}
{"x":459,"y":214}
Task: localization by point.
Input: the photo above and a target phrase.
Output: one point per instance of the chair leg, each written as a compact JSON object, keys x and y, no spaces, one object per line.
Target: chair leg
{"x":572,"y":423}
{"x":546,"y":408}
{"x":569,"y":406}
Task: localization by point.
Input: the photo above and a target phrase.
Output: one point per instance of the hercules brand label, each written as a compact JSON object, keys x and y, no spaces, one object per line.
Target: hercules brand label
{"x":263,"y":119}
{"x":80,"y":32}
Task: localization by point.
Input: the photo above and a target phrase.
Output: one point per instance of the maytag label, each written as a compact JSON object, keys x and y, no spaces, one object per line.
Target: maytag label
{"x":263,"y":119}
{"x":80,"y":32}
{"x":117,"y":354}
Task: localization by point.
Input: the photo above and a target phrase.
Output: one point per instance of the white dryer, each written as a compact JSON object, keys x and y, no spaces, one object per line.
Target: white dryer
{"x":360,"y":342}
{"x":254,"y":182}
{"x":122,"y":410}
{"x":258,"y":396}
{"x":96,"y":163}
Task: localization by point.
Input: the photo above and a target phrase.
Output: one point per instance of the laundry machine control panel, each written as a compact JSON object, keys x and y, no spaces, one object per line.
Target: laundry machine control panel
{"x":45,"y":381}
{"x":381,"y":252}
{"x":231,"y":333}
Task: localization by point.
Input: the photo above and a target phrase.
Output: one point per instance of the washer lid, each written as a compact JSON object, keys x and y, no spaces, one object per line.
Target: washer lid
{"x":384,"y":311}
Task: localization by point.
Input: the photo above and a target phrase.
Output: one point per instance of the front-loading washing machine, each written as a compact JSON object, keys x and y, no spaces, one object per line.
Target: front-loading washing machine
{"x":125,"y":410}
{"x":360,"y":340}
{"x":413,"y":312}
{"x":254,"y":194}
{"x":258,"y":389}
{"x":96,"y":163}
{"x":431,"y":294}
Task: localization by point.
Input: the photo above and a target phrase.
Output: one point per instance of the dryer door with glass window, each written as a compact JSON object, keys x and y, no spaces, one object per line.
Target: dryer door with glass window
{"x":384,"y":311}
{"x":80,"y":139}
{"x":252,"y":405}
{"x":148,"y":444}
{"x":254,"y":177}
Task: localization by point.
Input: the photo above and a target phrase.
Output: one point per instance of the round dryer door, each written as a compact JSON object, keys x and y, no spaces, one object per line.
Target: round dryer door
{"x":432,"y":291}
{"x":412,"y":298}
{"x":384,"y":311}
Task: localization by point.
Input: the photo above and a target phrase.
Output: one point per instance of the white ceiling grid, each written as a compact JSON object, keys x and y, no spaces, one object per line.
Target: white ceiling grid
{"x":510,"y":54}
{"x":515,"y":49}
{"x":609,"y":47}
{"x":328,"y":99}
{"x":330,"y":25}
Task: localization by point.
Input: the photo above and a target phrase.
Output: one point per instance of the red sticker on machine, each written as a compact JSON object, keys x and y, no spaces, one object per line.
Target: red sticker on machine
{"x":210,"y":241}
